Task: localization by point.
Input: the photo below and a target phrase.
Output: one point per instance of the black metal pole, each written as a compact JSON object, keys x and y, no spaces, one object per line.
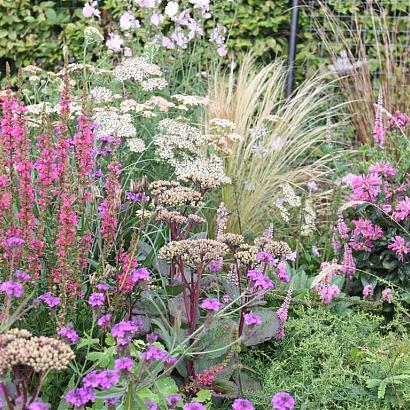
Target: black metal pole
{"x":292,"y":47}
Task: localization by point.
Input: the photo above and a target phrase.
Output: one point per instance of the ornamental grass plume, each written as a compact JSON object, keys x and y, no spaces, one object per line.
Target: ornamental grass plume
{"x":279,"y":137}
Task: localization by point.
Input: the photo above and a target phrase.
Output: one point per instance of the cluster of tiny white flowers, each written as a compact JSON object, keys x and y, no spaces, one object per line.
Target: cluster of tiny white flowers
{"x":136,"y":145}
{"x":131,"y":105}
{"x":151,"y":84}
{"x":191,"y":100}
{"x":101,"y":94}
{"x":158,"y":102}
{"x":113,"y":123}
{"x":309,"y":217}
{"x":222,"y":123}
{"x":176,"y":137}
{"x":284,"y":213}
{"x":136,"y":68}
{"x":289,"y":196}
{"x":211,"y":167}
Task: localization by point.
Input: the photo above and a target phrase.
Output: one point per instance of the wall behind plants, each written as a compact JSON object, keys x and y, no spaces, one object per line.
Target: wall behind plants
{"x":34,"y":31}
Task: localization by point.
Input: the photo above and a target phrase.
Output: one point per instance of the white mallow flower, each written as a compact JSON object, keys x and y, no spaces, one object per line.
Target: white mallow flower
{"x":114,"y":42}
{"x":171,"y":9}
{"x":128,"y":21}
{"x":156,"y":19}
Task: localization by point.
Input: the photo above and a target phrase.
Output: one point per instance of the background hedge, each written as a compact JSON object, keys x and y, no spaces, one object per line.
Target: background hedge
{"x":33,"y":31}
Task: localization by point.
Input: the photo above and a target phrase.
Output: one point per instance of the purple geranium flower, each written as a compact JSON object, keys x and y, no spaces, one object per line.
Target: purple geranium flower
{"x":23,"y":276}
{"x":80,"y":397}
{"x":283,"y":401}
{"x":251,"y":319}
{"x":96,"y":299}
{"x":194,"y":406}
{"x":12,"y":289}
{"x":153,"y":353}
{"x":124,"y":364}
{"x":212,"y":304}
{"x":242,"y":404}
{"x":39,"y":405}
{"x":69,"y":334}
{"x":49,"y":299}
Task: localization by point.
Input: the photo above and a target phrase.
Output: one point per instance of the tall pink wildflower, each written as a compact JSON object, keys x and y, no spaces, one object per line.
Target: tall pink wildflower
{"x":83,"y":142}
{"x":111,"y":204}
{"x":47,"y":169}
{"x":379,"y":133}
{"x":15,"y":146}
{"x":62,"y":130}
{"x":66,"y":244}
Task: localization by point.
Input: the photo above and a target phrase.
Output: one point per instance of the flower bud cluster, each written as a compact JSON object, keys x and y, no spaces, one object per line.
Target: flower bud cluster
{"x":19,"y":347}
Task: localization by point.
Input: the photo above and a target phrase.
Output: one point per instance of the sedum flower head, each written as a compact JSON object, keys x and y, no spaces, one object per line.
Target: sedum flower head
{"x":194,"y":251}
{"x":19,"y":347}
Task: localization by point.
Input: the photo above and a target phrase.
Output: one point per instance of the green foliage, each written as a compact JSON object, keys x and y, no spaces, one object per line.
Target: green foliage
{"x":35,"y":31}
{"x":318,"y":362}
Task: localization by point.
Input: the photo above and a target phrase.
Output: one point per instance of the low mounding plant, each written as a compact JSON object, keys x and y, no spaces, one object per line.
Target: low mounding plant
{"x":280,"y":139}
{"x":333,"y":361}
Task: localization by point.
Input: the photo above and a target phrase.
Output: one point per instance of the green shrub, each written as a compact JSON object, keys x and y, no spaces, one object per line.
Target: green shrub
{"x":322,"y":363}
{"x":35,"y":31}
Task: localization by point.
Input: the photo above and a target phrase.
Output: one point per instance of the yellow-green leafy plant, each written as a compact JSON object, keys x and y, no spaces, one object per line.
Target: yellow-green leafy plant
{"x":281,"y":138}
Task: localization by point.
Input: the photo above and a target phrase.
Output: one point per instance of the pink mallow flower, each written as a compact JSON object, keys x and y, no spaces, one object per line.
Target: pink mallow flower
{"x":212,"y":304}
{"x":90,"y":9}
{"x":400,"y":246}
{"x":114,"y":42}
